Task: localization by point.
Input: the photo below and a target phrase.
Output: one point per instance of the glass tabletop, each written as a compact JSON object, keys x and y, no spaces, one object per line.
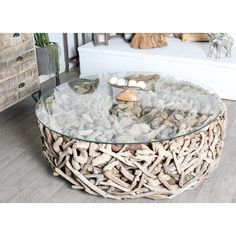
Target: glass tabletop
{"x":167,"y":107}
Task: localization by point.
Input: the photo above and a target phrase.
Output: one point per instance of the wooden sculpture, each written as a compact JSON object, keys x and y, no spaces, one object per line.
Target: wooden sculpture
{"x":149,"y":40}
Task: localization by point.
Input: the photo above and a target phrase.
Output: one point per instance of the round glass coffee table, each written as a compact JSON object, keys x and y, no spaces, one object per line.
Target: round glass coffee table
{"x":165,"y":141}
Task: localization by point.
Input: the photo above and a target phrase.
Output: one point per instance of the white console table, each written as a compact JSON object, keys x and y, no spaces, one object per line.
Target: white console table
{"x":185,"y":59}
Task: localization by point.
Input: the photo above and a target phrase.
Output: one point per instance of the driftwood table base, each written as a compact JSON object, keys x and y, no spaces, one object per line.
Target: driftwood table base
{"x":159,"y":170}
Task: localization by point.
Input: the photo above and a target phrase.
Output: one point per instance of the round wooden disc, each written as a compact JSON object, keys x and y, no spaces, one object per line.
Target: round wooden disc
{"x":127,"y":96}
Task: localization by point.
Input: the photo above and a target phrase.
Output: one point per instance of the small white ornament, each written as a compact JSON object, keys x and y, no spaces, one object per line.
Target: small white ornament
{"x":121,"y":82}
{"x":113,"y":80}
{"x":141,"y":84}
{"x":132,"y":83}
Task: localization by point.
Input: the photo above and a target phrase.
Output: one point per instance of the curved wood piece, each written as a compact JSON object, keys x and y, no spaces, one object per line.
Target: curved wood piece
{"x":160,"y":170}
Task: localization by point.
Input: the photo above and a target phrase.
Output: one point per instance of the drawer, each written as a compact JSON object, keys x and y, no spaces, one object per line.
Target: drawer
{"x":12,"y":39}
{"x":17,"y":88}
{"x":27,"y":83}
{"x":9,"y":54}
{"x":8,"y":93}
{"x":19,"y":64}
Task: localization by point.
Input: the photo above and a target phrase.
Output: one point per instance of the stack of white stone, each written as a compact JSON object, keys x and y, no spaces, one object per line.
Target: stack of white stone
{"x":173,"y":109}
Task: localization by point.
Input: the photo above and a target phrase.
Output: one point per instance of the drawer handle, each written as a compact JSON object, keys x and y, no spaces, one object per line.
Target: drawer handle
{"x":20,"y":58}
{"x":16,"y":35}
{"x":21,"y":85}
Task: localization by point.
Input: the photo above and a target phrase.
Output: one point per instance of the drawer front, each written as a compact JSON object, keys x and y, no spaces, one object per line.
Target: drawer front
{"x":9,"y":54}
{"x":12,"y":39}
{"x":19,"y":64}
{"x":27,"y":83}
{"x":8,"y":93}
{"x":17,"y":88}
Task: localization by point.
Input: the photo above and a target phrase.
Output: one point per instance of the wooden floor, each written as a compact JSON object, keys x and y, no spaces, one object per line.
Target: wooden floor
{"x":25,"y":176}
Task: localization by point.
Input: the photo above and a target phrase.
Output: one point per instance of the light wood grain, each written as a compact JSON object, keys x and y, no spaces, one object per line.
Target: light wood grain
{"x":194,"y":37}
{"x":18,"y":68}
{"x":154,"y":171}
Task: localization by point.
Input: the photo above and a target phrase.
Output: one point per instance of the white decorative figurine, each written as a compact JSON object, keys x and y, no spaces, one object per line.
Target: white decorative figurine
{"x":121,"y":82}
{"x":141,"y":84}
{"x":113,"y":80}
{"x":132,"y":83}
{"x":219,"y":41}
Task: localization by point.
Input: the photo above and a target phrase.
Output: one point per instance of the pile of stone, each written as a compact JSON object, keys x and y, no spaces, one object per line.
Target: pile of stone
{"x":172,"y":108}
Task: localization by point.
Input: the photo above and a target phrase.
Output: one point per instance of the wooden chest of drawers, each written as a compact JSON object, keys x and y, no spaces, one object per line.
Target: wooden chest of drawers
{"x":18,"y":68}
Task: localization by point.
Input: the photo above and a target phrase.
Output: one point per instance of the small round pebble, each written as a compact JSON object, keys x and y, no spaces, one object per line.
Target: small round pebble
{"x":141,"y":84}
{"x":113,"y":80}
{"x":121,"y":82}
{"x":132,"y":83}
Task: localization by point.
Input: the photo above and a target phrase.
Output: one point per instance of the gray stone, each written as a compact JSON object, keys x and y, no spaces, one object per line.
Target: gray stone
{"x":125,"y":121}
{"x":156,"y":122}
{"x":94,"y":135}
{"x":178,"y":116}
{"x":164,"y":115}
{"x":124,"y":138}
{"x":85,"y":132}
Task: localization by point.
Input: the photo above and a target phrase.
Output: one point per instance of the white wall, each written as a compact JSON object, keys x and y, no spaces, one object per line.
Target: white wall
{"x":58,"y":38}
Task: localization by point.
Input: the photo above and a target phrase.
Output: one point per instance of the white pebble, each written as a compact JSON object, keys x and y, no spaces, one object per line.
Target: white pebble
{"x":132,"y":83}
{"x":113,"y":80}
{"x":121,"y":82}
{"x":141,"y":84}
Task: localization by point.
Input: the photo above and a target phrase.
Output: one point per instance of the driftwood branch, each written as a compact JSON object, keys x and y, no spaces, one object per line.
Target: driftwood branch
{"x":160,"y":170}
